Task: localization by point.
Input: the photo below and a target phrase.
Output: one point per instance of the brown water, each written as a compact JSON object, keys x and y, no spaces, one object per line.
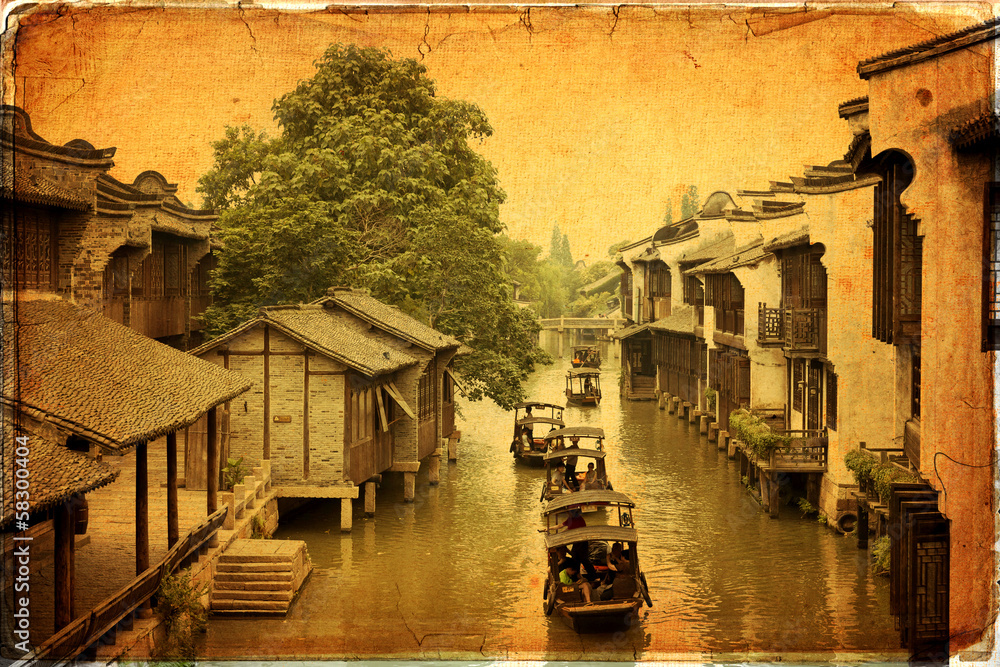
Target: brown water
{"x":458,"y":573}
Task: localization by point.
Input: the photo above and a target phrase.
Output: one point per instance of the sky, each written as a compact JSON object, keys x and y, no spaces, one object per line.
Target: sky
{"x":601,"y":115}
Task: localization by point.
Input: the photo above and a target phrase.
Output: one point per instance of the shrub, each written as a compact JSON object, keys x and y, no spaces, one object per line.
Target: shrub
{"x":860,"y":465}
{"x":710,"y":397}
{"x":881,"y":556}
{"x":179,"y":606}
{"x":233,"y":473}
{"x":881,"y":475}
{"x":756,"y":434}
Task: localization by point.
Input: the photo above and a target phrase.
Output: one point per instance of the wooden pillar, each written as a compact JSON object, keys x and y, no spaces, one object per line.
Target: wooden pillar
{"x":862,"y":525}
{"x":173,"y":530}
{"x":775,"y":501}
{"x":764,"y":483}
{"x":813,"y":481}
{"x":65,"y":530}
{"x":212,"y":467}
{"x":141,"y":509}
{"x":369,"y":499}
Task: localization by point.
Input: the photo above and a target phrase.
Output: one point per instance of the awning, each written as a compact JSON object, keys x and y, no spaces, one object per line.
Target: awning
{"x":454,"y":378}
{"x":396,"y":395}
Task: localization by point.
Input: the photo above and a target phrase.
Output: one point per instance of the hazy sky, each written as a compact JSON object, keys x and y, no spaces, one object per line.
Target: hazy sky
{"x":598,"y":119}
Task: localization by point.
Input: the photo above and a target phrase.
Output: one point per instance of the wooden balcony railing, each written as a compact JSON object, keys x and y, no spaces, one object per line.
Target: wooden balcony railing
{"x":795,"y":329}
{"x":807,"y":452}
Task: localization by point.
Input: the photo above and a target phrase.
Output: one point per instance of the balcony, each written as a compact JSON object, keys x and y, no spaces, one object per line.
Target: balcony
{"x":806,"y":452}
{"x":794,"y":329}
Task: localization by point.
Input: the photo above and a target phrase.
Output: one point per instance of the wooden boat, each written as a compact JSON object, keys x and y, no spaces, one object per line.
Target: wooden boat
{"x":532,"y":420}
{"x":583,"y":387}
{"x":568,"y":446}
{"x":586,"y":356}
{"x":616,"y":601}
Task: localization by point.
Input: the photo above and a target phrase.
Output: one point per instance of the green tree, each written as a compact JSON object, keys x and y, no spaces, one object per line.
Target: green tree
{"x":372,"y":182}
{"x":689,"y":202}
{"x":668,"y":217}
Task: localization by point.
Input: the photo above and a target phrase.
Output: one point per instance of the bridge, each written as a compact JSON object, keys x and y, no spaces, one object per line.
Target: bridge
{"x":595,"y":325}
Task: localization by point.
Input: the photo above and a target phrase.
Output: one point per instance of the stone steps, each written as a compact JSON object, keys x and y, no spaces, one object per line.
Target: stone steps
{"x":259,"y":576}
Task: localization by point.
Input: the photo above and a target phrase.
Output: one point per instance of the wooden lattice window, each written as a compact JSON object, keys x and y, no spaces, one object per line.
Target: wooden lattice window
{"x":657,"y":280}
{"x":173,"y":269}
{"x":363,"y":415}
{"x":626,"y":289}
{"x":156,"y":271}
{"x":897,"y":258}
{"x":117,"y":272}
{"x":991,"y":268}
{"x":426,"y":394}
{"x":29,"y":248}
{"x":915,"y":384}
{"x":798,"y":383}
{"x":725,"y":293}
{"x":831,"y":399}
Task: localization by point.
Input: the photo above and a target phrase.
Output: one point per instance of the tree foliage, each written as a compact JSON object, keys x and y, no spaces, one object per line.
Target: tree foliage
{"x":372,"y":182}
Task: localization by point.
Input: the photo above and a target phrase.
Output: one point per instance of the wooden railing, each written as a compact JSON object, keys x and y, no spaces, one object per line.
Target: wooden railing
{"x":795,"y":329}
{"x":88,"y":631}
{"x":807,"y":452}
{"x":560,"y":323}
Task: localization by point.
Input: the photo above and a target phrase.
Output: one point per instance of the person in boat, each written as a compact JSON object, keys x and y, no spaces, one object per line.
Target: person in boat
{"x":591,"y":481}
{"x":570,"y":574}
{"x":575,"y":520}
{"x":571,"y":470}
{"x":619,"y":560}
{"x":560,"y":478}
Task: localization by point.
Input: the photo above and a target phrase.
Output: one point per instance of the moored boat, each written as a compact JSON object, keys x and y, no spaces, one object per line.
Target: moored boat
{"x":567,"y":446}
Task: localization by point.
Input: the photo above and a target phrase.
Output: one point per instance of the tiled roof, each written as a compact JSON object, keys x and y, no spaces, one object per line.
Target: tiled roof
{"x":681,"y":320}
{"x":16,"y":130}
{"x":790,"y":239}
{"x":102,"y":381}
{"x":745,"y":256}
{"x":648,"y":255}
{"x":607,"y":281}
{"x":930,"y":48}
{"x":318,"y":328}
{"x":718,"y":248}
{"x":631,"y":330}
{"x":56,"y":473}
{"x":33,"y":189}
{"x":851,"y":107}
{"x":982,"y":127}
{"x":388,"y":318}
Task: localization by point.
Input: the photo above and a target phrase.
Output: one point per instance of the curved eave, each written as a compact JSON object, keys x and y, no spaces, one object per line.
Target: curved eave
{"x":590,"y":534}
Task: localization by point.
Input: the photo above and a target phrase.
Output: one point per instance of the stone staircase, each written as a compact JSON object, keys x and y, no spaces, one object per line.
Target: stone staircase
{"x":642,"y":388}
{"x":259,"y":576}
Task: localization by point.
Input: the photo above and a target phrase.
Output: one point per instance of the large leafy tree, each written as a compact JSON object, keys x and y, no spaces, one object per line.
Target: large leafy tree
{"x":372,"y":182}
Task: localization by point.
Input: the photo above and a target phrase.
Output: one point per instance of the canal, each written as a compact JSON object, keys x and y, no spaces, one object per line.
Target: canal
{"x":458,"y":573}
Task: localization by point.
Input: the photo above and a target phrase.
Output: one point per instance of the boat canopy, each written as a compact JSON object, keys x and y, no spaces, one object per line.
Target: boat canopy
{"x":592,"y":533}
{"x":594,"y":497}
{"x":536,"y":404}
{"x":584,"y":347}
{"x":576,"y":432}
{"x":583,"y":372}
{"x":540,"y":420}
{"x":575,"y":451}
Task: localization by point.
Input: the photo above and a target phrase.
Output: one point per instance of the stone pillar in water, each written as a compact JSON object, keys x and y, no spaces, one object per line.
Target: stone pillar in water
{"x":346,"y":515}
{"x":434,"y":468}
{"x":369,"y":499}
{"x":409,"y":486}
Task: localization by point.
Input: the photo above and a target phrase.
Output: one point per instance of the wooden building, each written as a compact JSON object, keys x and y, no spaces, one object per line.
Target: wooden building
{"x":429,"y":385}
{"x":346,"y":388}
{"x":82,"y":383}
{"x":134,"y":251}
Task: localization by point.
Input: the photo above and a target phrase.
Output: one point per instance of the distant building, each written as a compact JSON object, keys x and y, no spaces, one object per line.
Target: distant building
{"x":133,"y":251}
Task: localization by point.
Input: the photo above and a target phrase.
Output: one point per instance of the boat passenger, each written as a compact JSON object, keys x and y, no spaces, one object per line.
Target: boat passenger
{"x":575,"y":520}
{"x":570,"y":574}
{"x":560,"y":479}
{"x":591,"y":481}
{"x":571,"y":472}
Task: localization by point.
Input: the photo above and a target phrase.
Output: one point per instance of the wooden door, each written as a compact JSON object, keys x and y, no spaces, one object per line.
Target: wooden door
{"x":813,"y":395}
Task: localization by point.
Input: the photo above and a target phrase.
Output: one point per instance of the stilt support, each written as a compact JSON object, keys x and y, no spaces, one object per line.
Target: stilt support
{"x":434,"y":468}
{"x":409,"y":486}
{"x":713,"y":431}
{"x":369,"y":499}
{"x":703,"y":425}
{"x":775,"y":501}
{"x":346,"y":515}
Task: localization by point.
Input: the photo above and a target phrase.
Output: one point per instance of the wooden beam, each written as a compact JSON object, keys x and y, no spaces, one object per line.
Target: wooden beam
{"x":65,"y":530}
{"x":305,"y":418}
{"x":212,"y":454}
{"x":173,"y":529}
{"x":267,"y":392}
{"x":141,"y":509}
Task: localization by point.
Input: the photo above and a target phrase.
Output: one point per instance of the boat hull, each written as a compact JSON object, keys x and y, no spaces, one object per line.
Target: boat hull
{"x":601,"y":616}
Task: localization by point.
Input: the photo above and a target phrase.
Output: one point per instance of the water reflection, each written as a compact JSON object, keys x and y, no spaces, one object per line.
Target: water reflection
{"x":459,"y":572}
